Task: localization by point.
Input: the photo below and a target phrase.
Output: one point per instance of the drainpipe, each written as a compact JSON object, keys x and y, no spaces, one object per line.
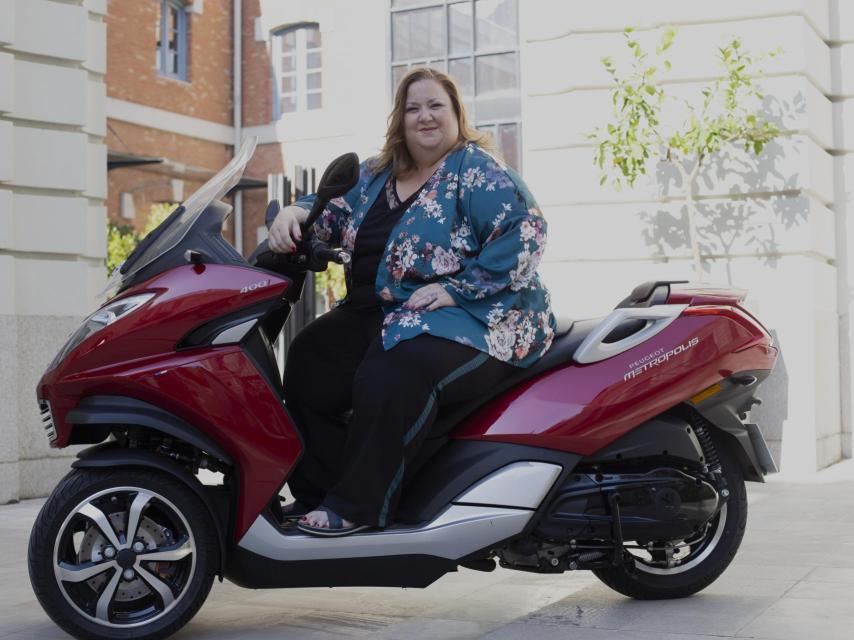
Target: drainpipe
{"x":238,"y":116}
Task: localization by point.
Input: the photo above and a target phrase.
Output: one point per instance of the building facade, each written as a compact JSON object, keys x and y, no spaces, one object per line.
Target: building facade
{"x":531,"y":74}
{"x":52,"y":196}
{"x":110,"y":108}
{"x":169,"y":102}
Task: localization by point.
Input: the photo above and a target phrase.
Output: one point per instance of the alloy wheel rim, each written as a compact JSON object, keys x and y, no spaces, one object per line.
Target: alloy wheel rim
{"x":124,"y":557}
{"x":696,"y":555}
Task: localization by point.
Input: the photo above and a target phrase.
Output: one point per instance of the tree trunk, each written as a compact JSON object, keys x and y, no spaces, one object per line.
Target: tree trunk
{"x":691,"y":211}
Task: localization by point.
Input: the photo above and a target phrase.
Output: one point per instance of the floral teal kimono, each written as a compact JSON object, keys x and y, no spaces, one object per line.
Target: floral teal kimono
{"x":475,"y":229}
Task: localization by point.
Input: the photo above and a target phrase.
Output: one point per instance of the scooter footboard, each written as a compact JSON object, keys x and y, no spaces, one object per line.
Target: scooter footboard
{"x":492,"y":502}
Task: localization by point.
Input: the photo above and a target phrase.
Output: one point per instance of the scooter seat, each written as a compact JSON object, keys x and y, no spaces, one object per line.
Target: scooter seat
{"x":568,"y":337}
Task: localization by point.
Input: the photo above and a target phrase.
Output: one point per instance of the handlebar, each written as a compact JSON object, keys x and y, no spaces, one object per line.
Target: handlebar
{"x":322,"y":253}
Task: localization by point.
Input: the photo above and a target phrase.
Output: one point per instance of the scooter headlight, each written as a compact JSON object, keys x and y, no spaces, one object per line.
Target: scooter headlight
{"x":103,"y":317}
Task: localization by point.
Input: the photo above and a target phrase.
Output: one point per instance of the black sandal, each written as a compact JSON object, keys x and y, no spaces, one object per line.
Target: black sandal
{"x":336,"y":527}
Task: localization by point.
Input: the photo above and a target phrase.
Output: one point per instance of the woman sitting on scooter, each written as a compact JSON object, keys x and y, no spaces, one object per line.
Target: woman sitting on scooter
{"x":443,"y":301}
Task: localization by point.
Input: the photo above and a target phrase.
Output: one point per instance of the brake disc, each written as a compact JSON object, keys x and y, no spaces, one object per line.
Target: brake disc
{"x":92,"y":549}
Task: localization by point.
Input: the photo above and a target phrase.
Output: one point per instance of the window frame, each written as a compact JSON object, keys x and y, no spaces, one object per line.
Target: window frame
{"x":182,"y":29}
{"x":301,"y":70}
{"x":443,"y":62}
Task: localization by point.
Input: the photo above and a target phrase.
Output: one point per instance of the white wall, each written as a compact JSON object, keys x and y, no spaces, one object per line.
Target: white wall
{"x":52,"y":214}
{"x":355,"y":82}
{"x":778,"y":238}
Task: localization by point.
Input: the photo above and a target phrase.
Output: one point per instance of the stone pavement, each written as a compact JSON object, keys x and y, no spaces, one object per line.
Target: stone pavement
{"x":793,"y":579}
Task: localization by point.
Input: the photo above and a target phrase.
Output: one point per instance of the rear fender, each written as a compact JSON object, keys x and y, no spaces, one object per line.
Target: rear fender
{"x":724,"y":411}
{"x":215,"y":499}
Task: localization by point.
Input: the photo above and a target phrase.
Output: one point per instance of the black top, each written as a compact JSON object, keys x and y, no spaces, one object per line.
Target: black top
{"x":371,"y":240}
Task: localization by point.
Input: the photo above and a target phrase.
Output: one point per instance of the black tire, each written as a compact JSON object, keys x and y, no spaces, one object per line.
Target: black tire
{"x":638,"y":582}
{"x":66,"y":601}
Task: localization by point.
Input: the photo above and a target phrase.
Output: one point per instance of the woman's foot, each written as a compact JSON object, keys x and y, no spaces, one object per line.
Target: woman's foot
{"x":296,"y":510}
{"x":325,"y":522}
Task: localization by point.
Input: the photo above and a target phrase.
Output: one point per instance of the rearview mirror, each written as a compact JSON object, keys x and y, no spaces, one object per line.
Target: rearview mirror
{"x":340,"y":176}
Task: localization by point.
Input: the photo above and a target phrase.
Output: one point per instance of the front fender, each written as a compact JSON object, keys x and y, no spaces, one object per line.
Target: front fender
{"x":216,"y":500}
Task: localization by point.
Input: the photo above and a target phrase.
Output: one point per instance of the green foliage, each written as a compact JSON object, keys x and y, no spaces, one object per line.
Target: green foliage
{"x":123,"y":238}
{"x":330,"y":284}
{"x":157,"y":214}
{"x":728,"y":113}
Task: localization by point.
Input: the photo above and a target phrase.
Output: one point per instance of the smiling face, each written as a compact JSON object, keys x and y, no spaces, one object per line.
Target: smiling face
{"x":430,"y":123}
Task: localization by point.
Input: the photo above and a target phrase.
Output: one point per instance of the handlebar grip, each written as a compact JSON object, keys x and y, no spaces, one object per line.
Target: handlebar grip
{"x":327,"y":254}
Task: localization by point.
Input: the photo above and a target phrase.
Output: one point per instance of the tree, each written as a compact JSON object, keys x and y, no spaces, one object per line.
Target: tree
{"x":728,"y":113}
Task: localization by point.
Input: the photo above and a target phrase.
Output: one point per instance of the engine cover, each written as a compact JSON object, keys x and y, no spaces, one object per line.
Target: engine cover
{"x":661,"y":504}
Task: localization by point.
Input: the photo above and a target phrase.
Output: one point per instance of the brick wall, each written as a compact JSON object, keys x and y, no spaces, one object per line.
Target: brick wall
{"x":132,"y":77}
{"x":257,"y":77}
{"x":131,"y":49}
{"x":188,"y":159}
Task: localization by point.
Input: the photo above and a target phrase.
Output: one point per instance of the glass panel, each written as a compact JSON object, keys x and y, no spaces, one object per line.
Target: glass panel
{"x":314,"y":100}
{"x":173,"y":41}
{"x":397,"y":74}
{"x":312,"y":60}
{"x":288,"y":41}
{"x":289,"y":63}
{"x":488,"y":129}
{"x":172,"y":20}
{"x":409,"y":3}
{"x":312,"y":38}
{"x":462,"y":71}
{"x":496,"y":26}
{"x":508,"y":144}
{"x":289,"y":84}
{"x":459,"y":28}
{"x":497,"y":87}
{"x":288,"y":104}
{"x":313,"y":80}
{"x":418,"y":34}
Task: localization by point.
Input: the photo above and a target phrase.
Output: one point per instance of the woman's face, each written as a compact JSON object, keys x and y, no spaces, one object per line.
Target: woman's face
{"x":430,"y":124}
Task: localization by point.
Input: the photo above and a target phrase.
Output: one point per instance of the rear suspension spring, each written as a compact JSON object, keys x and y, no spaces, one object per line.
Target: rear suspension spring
{"x":701,"y":428}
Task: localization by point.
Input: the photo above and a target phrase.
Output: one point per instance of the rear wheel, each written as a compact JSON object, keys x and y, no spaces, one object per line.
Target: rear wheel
{"x":128,"y":553}
{"x":679,"y":568}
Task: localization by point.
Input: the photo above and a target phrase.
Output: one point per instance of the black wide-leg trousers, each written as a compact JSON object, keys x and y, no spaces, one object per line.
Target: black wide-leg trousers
{"x":338,"y":363}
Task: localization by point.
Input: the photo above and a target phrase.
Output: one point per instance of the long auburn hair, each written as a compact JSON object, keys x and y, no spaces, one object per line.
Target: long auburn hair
{"x":394,"y":153}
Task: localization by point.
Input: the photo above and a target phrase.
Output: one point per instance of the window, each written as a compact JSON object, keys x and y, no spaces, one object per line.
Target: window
{"x":297,"y":69}
{"x":172,"y":40}
{"x":476,"y":42}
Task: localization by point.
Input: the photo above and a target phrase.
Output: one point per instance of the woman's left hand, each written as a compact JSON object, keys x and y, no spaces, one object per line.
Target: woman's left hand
{"x":429,"y":298}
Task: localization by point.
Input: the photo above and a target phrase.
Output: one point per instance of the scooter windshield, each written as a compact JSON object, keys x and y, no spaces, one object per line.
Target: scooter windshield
{"x":174,"y":229}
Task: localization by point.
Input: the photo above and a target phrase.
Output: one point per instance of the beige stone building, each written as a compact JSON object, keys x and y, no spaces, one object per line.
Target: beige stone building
{"x":52,"y":213}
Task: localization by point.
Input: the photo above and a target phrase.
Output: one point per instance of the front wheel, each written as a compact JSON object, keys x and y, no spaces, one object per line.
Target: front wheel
{"x":693,"y":564}
{"x":119,"y":554}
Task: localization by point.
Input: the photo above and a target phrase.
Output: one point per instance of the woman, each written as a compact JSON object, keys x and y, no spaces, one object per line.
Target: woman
{"x":443,"y":302}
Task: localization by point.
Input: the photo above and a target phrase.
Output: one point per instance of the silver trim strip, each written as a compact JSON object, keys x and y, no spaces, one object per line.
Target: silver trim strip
{"x":658,"y":318}
{"x":522,"y":485}
{"x":235,"y":333}
{"x":455,"y":533}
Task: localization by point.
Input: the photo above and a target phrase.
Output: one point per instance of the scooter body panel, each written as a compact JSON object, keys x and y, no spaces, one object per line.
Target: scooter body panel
{"x":583,"y":408}
{"x":211,"y":388}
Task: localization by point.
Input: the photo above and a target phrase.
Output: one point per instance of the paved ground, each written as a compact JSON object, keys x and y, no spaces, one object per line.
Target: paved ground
{"x":793,"y":579}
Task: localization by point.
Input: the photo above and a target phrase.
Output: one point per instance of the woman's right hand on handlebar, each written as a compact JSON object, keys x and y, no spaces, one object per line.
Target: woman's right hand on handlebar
{"x":285,"y":232}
